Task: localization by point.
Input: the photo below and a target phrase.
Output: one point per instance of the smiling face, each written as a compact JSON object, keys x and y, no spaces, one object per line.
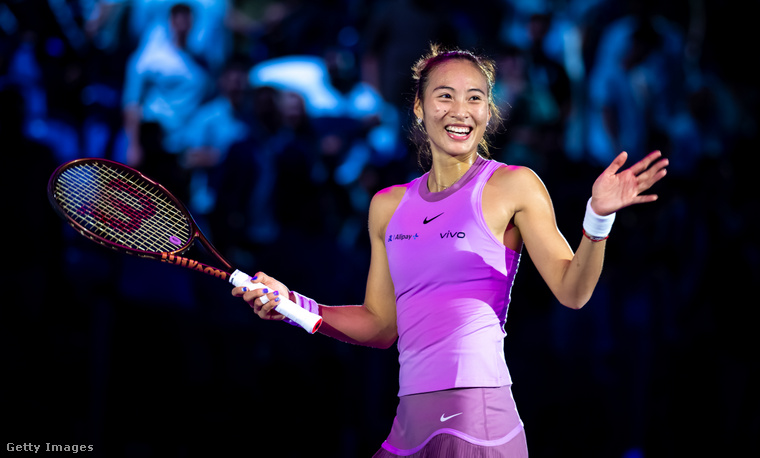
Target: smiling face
{"x":454,"y":108}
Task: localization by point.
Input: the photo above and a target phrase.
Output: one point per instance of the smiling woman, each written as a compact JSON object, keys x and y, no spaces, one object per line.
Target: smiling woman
{"x":445,"y":249}
{"x":479,"y":88}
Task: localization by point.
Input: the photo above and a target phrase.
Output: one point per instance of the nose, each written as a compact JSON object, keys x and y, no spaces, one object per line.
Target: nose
{"x":458,"y":110}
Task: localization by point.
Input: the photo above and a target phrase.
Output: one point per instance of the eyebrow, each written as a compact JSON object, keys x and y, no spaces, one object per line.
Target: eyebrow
{"x":452,"y":89}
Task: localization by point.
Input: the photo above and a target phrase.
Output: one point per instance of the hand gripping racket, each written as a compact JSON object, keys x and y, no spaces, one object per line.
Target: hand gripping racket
{"x":120,"y":208}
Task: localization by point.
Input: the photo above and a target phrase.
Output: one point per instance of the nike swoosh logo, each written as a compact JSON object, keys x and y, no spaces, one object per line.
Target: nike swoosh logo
{"x":425,"y":221}
{"x":445,"y":418}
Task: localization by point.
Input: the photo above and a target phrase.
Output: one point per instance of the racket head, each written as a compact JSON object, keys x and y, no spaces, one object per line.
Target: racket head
{"x":121,"y":208}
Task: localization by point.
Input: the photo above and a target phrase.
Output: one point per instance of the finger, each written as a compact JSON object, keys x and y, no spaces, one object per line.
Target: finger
{"x":653,"y":175}
{"x":262,"y":298}
{"x":258,"y":307}
{"x":617,"y":163}
{"x":644,"y":164}
{"x":267,"y":310}
{"x":273,"y":301}
{"x":659,"y":170}
{"x":661,"y":164}
{"x":646,"y":198}
{"x":260,"y":277}
{"x":251,"y":297}
{"x":241,"y":291}
{"x":257,"y":295}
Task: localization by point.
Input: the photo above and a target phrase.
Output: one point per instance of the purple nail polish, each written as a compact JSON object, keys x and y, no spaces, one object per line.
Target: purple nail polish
{"x":266,"y":290}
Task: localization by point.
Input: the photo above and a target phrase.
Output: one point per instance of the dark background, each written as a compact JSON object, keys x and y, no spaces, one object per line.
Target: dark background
{"x":141,"y":359}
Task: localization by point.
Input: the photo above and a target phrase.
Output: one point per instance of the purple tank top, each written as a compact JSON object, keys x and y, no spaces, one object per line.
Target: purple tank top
{"x":452,"y":280}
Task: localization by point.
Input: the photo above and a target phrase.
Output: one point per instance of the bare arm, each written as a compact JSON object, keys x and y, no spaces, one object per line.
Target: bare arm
{"x":572,"y":277}
{"x":372,"y":324}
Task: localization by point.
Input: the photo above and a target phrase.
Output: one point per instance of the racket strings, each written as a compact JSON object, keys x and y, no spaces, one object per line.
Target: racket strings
{"x":122,"y":208}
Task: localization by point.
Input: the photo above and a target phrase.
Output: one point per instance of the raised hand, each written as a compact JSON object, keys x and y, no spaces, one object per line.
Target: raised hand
{"x":614,"y":190}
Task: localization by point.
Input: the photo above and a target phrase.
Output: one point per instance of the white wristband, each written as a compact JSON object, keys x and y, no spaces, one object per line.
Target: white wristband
{"x":596,"y":226}
{"x":310,"y":305}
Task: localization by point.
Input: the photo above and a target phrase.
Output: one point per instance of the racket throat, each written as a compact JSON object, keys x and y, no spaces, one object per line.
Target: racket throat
{"x":193,"y":265}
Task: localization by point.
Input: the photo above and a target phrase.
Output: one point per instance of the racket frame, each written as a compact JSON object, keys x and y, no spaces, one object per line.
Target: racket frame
{"x":305,"y":319}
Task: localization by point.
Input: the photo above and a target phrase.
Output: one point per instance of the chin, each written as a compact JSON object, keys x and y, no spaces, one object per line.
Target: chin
{"x":461,"y":151}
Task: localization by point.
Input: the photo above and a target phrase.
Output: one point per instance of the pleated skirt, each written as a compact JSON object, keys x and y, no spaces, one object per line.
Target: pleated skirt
{"x":457,"y":423}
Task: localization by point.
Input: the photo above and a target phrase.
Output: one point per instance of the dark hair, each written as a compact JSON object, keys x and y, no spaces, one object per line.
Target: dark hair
{"x":421,"y":73}
{"x":180,"y":8}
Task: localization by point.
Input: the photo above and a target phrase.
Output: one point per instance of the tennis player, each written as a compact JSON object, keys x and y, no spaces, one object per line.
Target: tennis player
{"x":445,"y":250}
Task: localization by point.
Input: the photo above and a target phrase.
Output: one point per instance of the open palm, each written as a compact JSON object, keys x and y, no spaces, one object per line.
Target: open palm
{"x":614,"y":190}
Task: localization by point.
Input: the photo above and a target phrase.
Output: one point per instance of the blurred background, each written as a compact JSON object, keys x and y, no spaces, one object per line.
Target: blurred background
{"x":276,"y":121}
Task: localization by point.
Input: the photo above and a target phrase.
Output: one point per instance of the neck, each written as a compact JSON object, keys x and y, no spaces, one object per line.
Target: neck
{"x":443,"y":175}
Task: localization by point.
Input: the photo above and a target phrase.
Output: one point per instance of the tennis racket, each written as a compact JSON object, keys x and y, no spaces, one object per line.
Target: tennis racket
{"x":120,"y":208}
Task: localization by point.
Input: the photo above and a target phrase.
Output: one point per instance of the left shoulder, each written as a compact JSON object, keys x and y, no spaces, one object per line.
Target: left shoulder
{"x":515,"y":178}
{"x":517,"y":187}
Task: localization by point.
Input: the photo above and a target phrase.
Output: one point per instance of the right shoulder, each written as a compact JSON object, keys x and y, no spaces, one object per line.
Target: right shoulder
{"x":390,"y":196}
{"x":383,"y":205}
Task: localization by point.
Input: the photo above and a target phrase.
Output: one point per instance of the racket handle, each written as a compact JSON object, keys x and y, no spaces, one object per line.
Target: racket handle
{"x":304,"y":318}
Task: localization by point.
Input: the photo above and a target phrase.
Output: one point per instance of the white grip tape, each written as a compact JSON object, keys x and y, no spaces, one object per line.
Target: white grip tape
{"x":304,"y":318}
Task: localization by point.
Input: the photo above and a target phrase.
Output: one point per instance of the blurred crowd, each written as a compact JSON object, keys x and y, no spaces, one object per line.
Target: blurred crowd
{"x":276,"y":121}
{"x":191,"y":91}
{"x":226,"y":101}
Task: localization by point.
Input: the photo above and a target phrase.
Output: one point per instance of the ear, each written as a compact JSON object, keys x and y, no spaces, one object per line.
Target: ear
{"x":418,"y":108}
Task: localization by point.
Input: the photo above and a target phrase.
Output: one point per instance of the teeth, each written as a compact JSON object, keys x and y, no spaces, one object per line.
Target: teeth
{"x":458,"y":130}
